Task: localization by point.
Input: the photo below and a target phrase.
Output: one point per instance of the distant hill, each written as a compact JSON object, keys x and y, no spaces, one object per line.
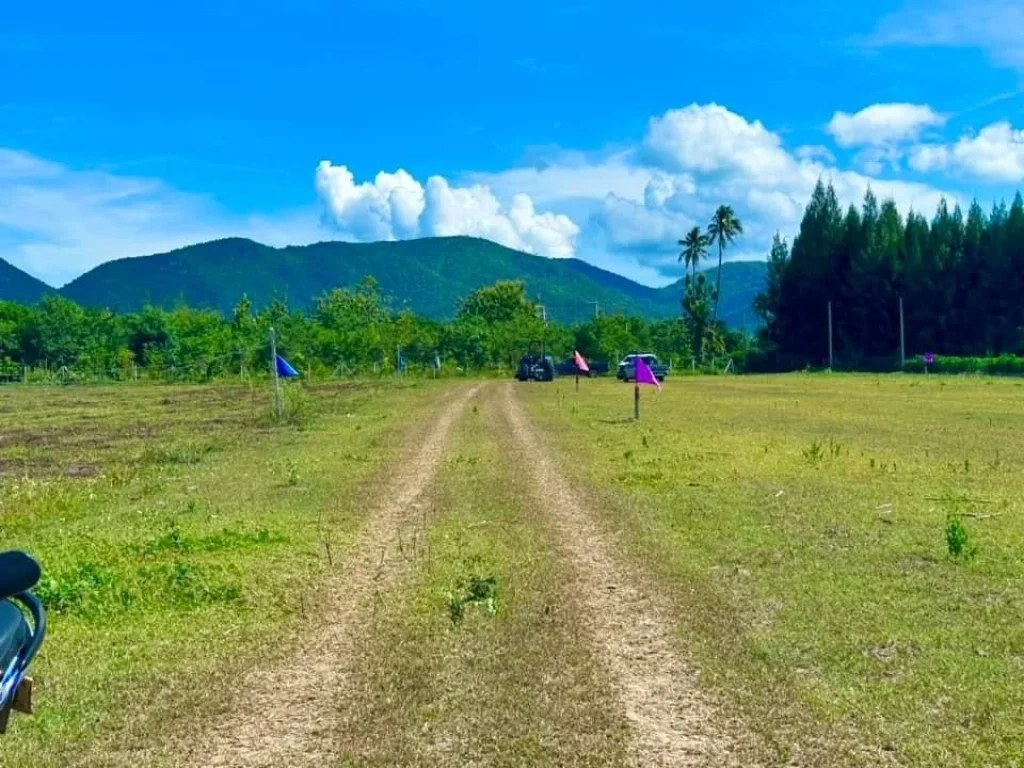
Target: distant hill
{"x":19,"y":286}
{"x":428,"y":275}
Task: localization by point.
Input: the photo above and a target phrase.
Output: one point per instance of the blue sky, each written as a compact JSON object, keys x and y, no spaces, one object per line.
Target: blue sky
{"x":601,"y":130}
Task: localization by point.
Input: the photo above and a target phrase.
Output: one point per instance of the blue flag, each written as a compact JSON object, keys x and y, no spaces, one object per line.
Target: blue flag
{"x":284,"y":368}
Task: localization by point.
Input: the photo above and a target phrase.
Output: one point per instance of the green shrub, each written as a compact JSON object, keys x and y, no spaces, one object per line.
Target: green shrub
{"x":1003,"y":365}
{"x":957,"y":539}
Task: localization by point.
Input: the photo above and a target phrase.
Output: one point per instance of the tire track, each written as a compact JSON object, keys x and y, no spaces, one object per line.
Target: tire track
{"x":286,"y":713}
{"x":674,"y":723}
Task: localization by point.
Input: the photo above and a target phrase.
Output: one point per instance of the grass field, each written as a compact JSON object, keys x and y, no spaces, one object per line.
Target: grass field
{"x":799,"y":523}
{"x":179,"y":532}
{"x":788,"y":535}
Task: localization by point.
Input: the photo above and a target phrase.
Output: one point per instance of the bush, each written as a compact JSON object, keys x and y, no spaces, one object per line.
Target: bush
{"x":1003,"y":365}
{"x":958,"y":542}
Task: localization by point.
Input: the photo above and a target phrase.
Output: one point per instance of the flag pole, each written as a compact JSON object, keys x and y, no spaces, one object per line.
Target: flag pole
{"x":577,"y":381}
{"x":278,"y":408}
{"x":636,"y":401}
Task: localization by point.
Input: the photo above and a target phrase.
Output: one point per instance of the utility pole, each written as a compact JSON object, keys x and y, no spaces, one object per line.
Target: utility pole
{"x":830,"y":335}
{"x":903,"y":339}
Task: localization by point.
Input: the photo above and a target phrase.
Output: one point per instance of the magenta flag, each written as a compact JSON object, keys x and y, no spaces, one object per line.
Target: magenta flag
{"x":581,"y":364}
{"x":644,"y":375}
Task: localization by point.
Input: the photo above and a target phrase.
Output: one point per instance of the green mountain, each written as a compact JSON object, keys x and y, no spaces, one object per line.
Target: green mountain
{"x":429,"y":276}
{"x":19,"y":286}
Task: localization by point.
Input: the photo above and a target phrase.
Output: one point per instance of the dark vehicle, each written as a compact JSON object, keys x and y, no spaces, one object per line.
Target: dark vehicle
{"x":535,"y":365}
{"x":20,"y":637}
{"x":568,"y":368}
{"x":627,"y":368}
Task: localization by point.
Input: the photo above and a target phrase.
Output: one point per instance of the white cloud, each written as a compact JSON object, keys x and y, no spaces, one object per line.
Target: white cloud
{"x":883,"y":124}
{"x":995,"y":154}
{"x":815,"y":152}
{"x":569,"y":176}
{"x":636,"y":204}
{"x":875,"y":160}
{"x":551,"y":234}
{"x":396,"y":206}
{"x":633,"y":202}
{"x":994,"y":26}
{"x":56,"y":222}
{"x":22,"y":165}
{"x":387,"y":208}
{"x":709,"y":139}
{"x":768,"y":186}
{"x":648,"y":226}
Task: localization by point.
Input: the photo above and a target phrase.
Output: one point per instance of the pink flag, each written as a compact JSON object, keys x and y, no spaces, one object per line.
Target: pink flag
{"x":581,"y":364}
{"x":644,"y":375}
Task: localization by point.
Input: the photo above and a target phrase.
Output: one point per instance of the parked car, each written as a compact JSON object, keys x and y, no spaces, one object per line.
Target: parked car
{"x":627,"y":368}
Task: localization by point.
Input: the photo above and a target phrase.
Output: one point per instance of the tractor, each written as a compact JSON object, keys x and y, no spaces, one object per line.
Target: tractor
{"x":535,"y":365}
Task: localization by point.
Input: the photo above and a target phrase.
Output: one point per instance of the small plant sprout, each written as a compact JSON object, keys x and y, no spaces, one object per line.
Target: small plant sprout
{"x":958,"y":541}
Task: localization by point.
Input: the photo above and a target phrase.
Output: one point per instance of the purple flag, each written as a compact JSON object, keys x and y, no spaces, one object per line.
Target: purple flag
{"x":644,"y":375}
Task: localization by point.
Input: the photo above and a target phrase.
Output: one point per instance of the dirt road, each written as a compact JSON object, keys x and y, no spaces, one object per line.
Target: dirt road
{"x":621,"y":669}
{"x":285,"y":713}
{"x":673,"y":722}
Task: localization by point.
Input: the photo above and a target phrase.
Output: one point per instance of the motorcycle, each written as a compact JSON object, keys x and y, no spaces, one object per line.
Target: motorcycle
{"x":22,"y":628}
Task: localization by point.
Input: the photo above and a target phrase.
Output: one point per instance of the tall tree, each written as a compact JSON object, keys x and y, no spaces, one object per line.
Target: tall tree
{"x":723,"y":230}
{"x":695,"y":248}
{"x":697,"y":301}
{"x":766,"y":303}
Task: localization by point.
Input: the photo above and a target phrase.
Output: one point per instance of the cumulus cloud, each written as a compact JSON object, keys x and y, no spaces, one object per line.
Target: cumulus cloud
{"x":745,"y":165}
{"x":709,"y":139}
{"x":633,"y":202}
{"x":996,"y":153}
{"x":396,"y":206}
{"x":389,"y":207}
{"x":57,"y":222}
{"x":883,"y":124}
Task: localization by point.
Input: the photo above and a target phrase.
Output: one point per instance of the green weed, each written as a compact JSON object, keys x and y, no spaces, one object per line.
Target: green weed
{"x":958,"y":542}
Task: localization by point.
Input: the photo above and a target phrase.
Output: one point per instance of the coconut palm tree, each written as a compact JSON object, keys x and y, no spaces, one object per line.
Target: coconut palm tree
{"x":723,"y":230}
{"x":695,"y":248}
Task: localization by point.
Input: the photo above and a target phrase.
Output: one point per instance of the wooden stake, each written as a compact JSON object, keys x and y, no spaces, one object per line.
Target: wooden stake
{"x":278,"y":406}
{"x":636,"y":401}
{"x":23,"y":697}
{"x":577,"y":382}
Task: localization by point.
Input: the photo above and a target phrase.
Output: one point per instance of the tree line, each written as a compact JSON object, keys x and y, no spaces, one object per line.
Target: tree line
{"x":346,"y":331}
{"x":960,"y":278}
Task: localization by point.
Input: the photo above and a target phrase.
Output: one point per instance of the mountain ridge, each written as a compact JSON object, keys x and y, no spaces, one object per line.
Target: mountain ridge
{"x":428,"y":276}
{"x":18,"y":285}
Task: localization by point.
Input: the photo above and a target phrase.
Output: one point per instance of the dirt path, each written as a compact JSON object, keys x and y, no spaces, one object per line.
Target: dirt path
{"x":673,"y":722}
{"x":287,"y":712}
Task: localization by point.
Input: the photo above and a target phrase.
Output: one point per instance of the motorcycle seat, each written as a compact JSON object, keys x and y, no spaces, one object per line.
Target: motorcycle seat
{"x":18,"y":573}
